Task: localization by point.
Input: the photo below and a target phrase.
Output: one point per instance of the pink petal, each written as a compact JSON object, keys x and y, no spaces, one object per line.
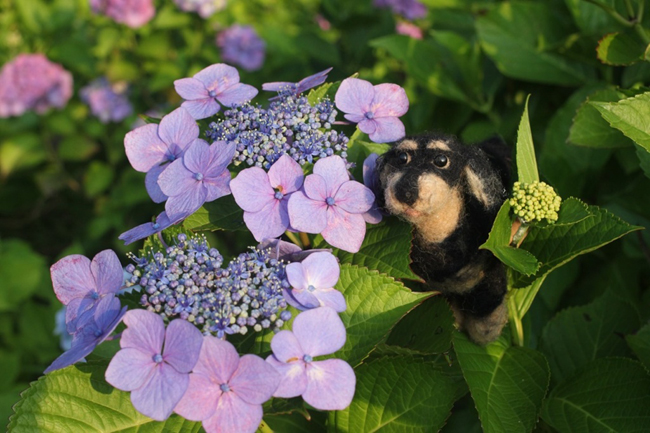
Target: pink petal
{"x":354,"y":96}
{"x":201,"y":108}
{"x":344,"y":230}
{"x":251,"y":189}
{"x":236,"y":94}
{"x":190,"y":89}
{"x":182,"y":345}
{"x":72,"y":278}
{"x":234,"y":415}
{"x":390,"y":101}
{"x":307,"y":215}
{"x":218,"y":77}
{"x":254,"y":381}
{"x":217,"y":186}
{"x":294,"y":379}
{"x":270,"y":222}
{"x":176,"y":179}
{"x":200,"y":400}
{"x":319,"y":331}
{"x":107,"y":271}
{"x":151,"y":183}
{"x":333,"y":170}
{"x":321,"y":269}
{"x":218,"y":359}
{"x":186,"y":203}
{"x":144,"y":148}
{"x":387,"y":129}
{"x":286,"y":173}
{"x":178,"y":128}
{"x":354,"y":197}
{"x":315,"y":187}
{"x":296,"y":275}
{"x":285,"y":347}
{"x":129,"y":369}
{"x":145,"y":331}
{"x":330,"y":384}
{"x":368,"y":126}
{"x":161,"y":393}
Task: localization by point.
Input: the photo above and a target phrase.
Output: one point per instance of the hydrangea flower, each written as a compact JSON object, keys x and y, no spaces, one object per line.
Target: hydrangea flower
{"x":92,"y":327}
{"x":81,"y":284}
{"x":107,"y":102}
{"x":213,"y":85}
{"x":32,"y":82}
{"x":409,"y":9}
{"x":205,"y":8}
{"x":157,"y":377}
{"x":307,"y":83}
{"x":375,"y":108}
{"x":202,"y":175}
{"x":326,"y":385}
{"x":535,"y":201}
{"x":147,"y":229}
{"x":242,"y":46}
{"x":150,"y":146}
{"x":371,"y":180}
{"x":313,"y":282}
{"x":226,"y":392}
{"x":133,"y":13}
{"x":331,"y":204}
{"x":263,"y":196}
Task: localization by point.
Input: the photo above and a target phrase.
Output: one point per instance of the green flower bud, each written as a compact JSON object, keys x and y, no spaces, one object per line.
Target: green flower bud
{"x":535,"y":201}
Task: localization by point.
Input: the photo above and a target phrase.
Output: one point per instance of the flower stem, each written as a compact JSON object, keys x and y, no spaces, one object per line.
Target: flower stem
{"x":293,"y":238}
{"x":612,"y":12}
{"x":264,"y":428}
{"x":305,"y":240}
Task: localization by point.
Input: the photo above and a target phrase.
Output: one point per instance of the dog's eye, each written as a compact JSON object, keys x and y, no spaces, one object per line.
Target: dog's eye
{"x":441,"y":161}
{"x":403,"y":157}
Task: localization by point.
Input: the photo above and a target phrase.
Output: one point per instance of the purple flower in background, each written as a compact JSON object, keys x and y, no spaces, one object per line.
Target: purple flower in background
{"x":313,"y":282}
{"x":331,"y":204}
{"x":205,"y":8}
{"x":107,"y":102}
{"x":202,"y":175}
{"x":93,"y":327}
{"x":326,"y":385}
{"x":287,"y":251}
{"x":299,"y":87}
{"x":371,"y":180}
{"x":213,"y":85}
{"x":226,"y":392}
{"x":150,"y":146}
{"x":133,"y":13}
{"x":242,"y":46}
{"x":264,"y":197}
{"x":408,"y":29}
{"x":81,"y":284}
{"x":147,"y":229}
{"x":32,"y":82}
{"x":375,"y":108}
{"x":409,"y":9}
{"x":157,"y":377}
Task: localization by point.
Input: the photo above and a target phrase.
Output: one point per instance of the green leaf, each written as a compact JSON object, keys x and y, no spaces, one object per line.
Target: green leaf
{"x":21,"y":151}
{"x":397,"y":394}
{"x":620,"y":48}
{"x":386,"y":248}
{"x":579,"y":335}
{"x":630,"y":116}
{"x":520,"y":37}
{"x":76,"y":148}
{"x":644,"y":159}
{"x":376,"y":302}
{"x":607,"y":395}
{"x":78,"y":399}
{"x":507,"y":383}
{"x":557,"y":244}
{"x":98,"y":178}
{"x":640,"y":344}
{"x":21,"y":273}
{"x":526,"y":162}
{"x":221,"y":214}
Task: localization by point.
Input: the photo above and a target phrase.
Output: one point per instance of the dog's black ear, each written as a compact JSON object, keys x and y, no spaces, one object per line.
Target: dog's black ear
{"x":487,"y":173}
{"x":500,"y":156}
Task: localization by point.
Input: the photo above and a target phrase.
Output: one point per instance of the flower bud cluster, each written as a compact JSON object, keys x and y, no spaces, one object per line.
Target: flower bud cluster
{"x":535,"y":201}
{"x":188,"y":282}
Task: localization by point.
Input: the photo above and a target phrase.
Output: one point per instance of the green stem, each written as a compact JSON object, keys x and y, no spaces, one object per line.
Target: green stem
{"x":519,"y":302}
{"x":612,"y":12}
{"x":264,"y":428}
{"x":305,"y":240}
{"x":293,"y":238}
{"x":639,"y":14}
{"x":630,"y":9}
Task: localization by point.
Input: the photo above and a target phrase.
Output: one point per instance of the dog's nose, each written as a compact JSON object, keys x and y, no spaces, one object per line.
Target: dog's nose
{"x":406,"y":194}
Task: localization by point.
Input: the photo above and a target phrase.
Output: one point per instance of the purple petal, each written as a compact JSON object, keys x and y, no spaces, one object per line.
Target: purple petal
{"x":161,"y":393}
{"x":370,"y":171}
{"x":200,"y":399}
{"x":294,"y":378}
{"x":129,"y":369}
{"x":254,"y":381}
{"x":218,"y":359}
{"x":307,"y":215}
{"x":151,"y":183}
{"x":313,"y":80}
{"x":107,"y":271}
{"x":234,"y":415}
{"x":187,"y":202}
{"x":237,"y":94}
{"x":387,"y":129}
{"x":330,"y":384}
{"x":306,"y":299}
{"x":373,"y":216}
{"x":367,"y":126}
{"x":291,"y":300}
{"x":355,"y":118}
{"x":270,"y":222}
{"x":217,"y":186}
{"x":107,"y":315}
{"x":390,"y":101}
{"x":277,"y":86}
{"x":145,"y":331}
{"x":190,"y":89}
{"x":182,"y":345}
{"x":74,"y":355}
{"x":147,"y":229}
{"x":178,"y":129}
{"x":197,"y":157}
{"x":321,"y":270}
{"x":281,"y":250}
{"x":285,"y":347}
{"x":333,"y":170}
{"x":331,"y":298}
{"x":286,"y":173}
{"x":252,"y":190}
{"x":76,"y":308}
{"x":344,"y":230}
{"x":296,"y":276}
{"x":354,"y":96}
{"x":319,"y":331}
{"x":222,"y":154}
{"x":176,"y":179}
{"x":315,"y":187}
{"x":72,"y":278}
{"x":354,"y":197}
{"x":201,"y":108}
{"x":218,"y":77}
{"x":144,"y":148}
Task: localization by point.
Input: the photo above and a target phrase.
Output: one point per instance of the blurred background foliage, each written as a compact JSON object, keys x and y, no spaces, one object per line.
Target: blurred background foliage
{"x":66,"y":186}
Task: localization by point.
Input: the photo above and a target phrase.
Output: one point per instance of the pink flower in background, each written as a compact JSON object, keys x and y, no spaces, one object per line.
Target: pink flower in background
{"x":133,"y":13}
{"x":242,"y":46}
{"x":107,"y":101}
{"x":32,"y":82}
{"x":408,"y":29}
{"x":205,"y":8}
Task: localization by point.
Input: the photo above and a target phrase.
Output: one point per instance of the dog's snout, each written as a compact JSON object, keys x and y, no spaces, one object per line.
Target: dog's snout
{"x":406,"y":191}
